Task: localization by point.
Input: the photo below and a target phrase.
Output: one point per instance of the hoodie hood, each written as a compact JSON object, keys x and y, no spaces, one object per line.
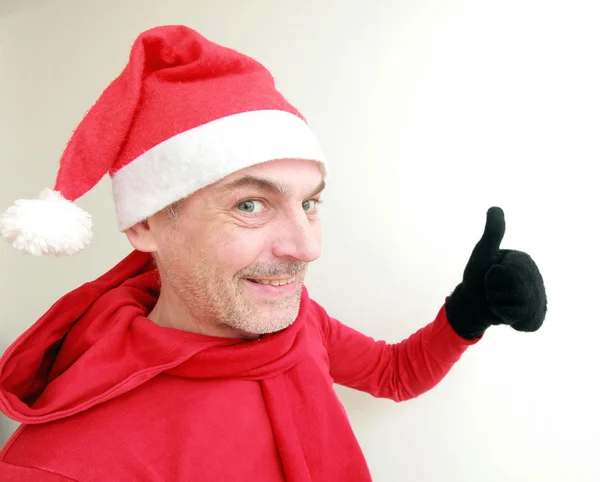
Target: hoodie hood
{"x":96,"y":343}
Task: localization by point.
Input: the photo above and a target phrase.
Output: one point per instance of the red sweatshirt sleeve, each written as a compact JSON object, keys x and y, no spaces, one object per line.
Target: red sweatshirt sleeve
{"x":399,"y":371}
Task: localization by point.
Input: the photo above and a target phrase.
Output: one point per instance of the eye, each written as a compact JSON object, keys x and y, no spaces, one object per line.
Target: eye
{"x":251,"y":206}
{"x":310,"y":205}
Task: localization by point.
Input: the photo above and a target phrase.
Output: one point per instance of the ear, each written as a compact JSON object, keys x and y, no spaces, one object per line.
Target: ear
{"x":141,"y":237}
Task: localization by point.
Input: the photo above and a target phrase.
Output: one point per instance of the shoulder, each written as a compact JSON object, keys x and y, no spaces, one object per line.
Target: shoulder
{"x":17,"y":464}
{"x":19,"y":473}
{"x":316,"y":315}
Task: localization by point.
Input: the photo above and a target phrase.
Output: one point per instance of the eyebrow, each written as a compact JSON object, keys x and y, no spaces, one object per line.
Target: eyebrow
{"x":265,"y":185}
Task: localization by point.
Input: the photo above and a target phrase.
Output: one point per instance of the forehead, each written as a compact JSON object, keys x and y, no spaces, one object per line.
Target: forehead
{"x":293,"y":175}
{"x":284,"y":166}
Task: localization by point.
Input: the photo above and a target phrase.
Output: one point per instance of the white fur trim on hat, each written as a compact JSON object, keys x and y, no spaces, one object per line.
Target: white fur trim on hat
{"x":189,"y":161}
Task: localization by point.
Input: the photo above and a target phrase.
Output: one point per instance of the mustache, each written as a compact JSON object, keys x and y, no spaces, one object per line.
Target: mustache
{"x":281,"y":268}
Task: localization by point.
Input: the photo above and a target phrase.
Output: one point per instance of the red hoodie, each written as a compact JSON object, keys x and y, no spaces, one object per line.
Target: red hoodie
{"x":104,"y":394}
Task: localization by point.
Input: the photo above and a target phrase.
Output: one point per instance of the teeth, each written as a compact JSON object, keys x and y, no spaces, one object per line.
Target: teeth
{"x":274,"y":282}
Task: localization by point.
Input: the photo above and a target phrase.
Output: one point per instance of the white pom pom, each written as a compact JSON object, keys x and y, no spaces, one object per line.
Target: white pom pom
{"x":48,"y":225}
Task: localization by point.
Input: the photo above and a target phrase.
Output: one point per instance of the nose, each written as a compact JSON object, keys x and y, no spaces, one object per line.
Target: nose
{"x":297,"y":237}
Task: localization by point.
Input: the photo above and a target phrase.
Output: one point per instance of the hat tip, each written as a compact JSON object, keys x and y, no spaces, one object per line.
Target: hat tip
{"x":50,"y":224}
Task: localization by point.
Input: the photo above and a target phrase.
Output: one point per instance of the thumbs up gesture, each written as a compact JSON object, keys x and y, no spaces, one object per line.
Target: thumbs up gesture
{"x":499,"y":286}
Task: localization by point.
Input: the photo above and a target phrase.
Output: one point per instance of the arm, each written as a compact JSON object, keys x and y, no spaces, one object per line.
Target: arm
{"x":499,"y":286}
{"x":399,"y":371}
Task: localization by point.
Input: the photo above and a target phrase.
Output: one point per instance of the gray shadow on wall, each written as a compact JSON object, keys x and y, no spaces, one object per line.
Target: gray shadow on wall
{"x":7,"y":427}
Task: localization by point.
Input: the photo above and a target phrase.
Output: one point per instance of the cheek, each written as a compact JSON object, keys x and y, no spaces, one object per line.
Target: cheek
{"x":239,"y":249}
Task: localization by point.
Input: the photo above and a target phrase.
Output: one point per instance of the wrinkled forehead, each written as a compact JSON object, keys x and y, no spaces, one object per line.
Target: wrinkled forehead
{"x":290,"y":176}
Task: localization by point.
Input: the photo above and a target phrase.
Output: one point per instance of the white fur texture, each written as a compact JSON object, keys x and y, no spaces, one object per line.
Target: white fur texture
{"x":48,"y":225}
{"x":189,"y":161}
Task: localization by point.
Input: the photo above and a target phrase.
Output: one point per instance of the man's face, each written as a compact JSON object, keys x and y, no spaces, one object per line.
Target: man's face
{"x":237,"y":255}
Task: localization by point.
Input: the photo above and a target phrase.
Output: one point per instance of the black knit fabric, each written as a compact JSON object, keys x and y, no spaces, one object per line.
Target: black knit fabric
{"x":499,"y":286}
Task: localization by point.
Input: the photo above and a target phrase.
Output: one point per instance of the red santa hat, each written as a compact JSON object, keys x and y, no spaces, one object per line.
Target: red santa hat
{"x":184,"y":113}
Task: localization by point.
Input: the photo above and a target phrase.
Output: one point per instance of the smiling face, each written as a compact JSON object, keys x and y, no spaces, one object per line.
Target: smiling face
{"x":237,"y":253}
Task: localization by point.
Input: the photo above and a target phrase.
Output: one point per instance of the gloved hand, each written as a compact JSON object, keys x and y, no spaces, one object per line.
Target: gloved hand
{"x":499,"y":286}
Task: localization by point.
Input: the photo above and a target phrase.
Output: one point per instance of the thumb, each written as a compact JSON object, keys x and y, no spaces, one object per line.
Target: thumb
{"x":493,"y":233}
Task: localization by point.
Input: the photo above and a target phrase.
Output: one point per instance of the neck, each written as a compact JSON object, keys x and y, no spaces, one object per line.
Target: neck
{"x":171,"y":312}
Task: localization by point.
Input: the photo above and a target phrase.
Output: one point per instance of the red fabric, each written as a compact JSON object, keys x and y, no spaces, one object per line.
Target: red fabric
{"x":175,"y":80}
{"x":106,"y":394}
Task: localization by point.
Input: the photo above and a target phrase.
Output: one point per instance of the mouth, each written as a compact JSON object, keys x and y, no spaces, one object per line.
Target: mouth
{"x":268,"y":288}
{"x":272,"y":282}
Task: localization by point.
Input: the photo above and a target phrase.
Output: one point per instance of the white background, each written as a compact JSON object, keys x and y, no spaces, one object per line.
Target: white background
{"x":431,"y":111}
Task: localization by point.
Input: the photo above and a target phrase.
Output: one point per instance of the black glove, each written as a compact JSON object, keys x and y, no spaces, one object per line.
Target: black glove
{"x":499,"y":286}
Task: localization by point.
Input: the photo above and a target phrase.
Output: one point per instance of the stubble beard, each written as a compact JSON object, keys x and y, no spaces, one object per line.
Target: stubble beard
{"x":211,"y":298}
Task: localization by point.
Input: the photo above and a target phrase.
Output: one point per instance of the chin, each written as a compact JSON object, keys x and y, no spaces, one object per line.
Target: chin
{"x":271,"y":322}
{"x":278,"y":324}
{"x":252,"y":316}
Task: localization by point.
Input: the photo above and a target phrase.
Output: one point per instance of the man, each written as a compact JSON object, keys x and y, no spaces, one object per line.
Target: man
{"x":201,"y":355}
